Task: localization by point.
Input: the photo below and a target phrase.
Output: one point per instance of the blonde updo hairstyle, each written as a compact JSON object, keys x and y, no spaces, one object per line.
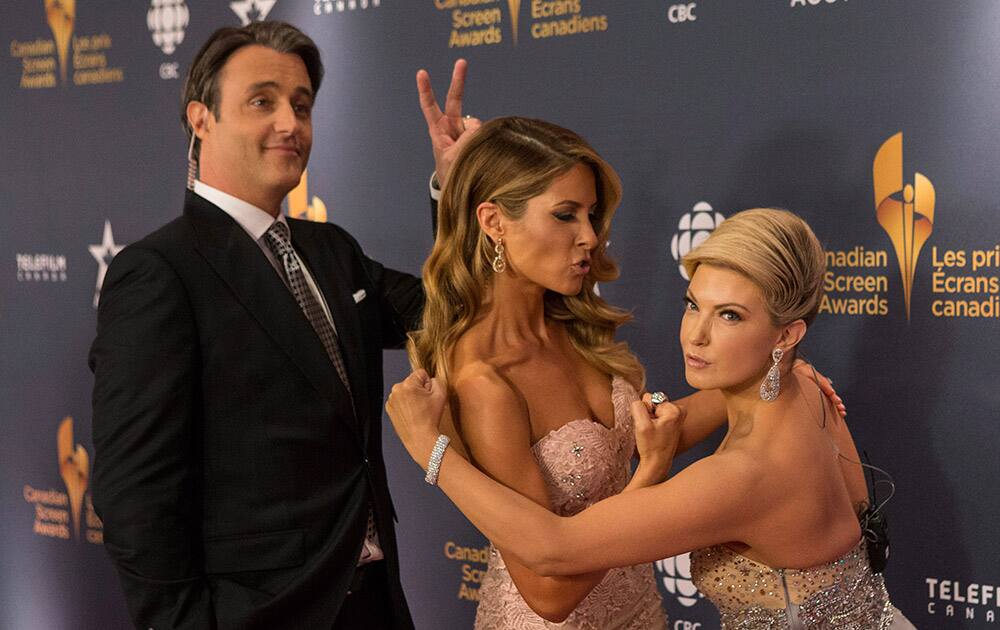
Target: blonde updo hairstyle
{"x":775,"y":250}
{"x":508,"y":162}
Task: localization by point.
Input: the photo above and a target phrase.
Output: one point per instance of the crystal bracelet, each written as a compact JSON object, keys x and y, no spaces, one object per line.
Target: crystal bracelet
{"x":437,"y":454}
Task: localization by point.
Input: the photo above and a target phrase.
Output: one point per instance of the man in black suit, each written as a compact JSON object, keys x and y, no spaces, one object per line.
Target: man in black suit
{"x":238,"y":372}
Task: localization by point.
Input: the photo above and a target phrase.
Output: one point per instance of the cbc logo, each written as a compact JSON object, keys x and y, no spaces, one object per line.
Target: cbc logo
{"x":678,"y":13}
{"x":676,"y":577}
{"x":167,"y":20}
{"x":693,"y":228}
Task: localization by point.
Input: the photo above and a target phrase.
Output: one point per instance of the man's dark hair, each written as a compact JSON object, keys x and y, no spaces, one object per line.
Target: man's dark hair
{"x":202,"y":83}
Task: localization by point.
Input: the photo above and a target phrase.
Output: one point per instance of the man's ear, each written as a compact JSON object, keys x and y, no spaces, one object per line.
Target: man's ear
{"x":198,"y":116}
{"x":490,"y":219}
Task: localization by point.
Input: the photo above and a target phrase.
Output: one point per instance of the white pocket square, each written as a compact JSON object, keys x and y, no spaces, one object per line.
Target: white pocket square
{"x":359,"y":295}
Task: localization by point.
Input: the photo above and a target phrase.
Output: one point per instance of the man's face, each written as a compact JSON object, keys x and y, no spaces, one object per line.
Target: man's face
{"x":258,"y":145}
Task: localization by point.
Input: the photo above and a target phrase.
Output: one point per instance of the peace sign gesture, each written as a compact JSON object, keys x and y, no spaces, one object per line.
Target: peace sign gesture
{"x":449,"y":130}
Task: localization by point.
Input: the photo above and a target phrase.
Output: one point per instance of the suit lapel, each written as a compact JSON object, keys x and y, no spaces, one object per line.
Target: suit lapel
{"x":331,"y":269}
{"x":234,"y":256}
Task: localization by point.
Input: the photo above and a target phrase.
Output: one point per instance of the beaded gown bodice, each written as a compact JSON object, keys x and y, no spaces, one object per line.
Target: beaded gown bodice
{"x":843,"y":594}
{"x":582,"y":462}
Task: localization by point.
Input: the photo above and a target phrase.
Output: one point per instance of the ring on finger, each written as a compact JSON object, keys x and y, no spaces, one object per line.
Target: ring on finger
{"x":657,"y":398}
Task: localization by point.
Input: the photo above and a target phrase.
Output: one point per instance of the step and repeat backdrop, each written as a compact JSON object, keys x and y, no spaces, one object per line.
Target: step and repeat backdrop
{"x":849,"y":112}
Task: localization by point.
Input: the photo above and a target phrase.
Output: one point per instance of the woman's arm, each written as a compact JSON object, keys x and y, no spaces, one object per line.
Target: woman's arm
{"x":705,"y":412}
{"x":718,"y":499}
{"x":496,"y":432}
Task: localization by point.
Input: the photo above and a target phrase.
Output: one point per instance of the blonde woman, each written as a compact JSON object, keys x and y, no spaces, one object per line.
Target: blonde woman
{"x":772,"y":515}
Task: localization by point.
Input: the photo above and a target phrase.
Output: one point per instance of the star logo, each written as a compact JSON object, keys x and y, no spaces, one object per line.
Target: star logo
{"x":103,"y":254}
{"x":252,"y":10}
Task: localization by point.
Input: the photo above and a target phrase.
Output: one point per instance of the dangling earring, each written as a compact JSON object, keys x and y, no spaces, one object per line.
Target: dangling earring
{"x":498,"y":264}
{"x":770,"y":387}
{"x":192,"y":164}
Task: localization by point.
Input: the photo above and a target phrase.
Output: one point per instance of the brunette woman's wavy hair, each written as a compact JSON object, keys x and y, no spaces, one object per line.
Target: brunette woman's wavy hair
{"x":507,"y":162}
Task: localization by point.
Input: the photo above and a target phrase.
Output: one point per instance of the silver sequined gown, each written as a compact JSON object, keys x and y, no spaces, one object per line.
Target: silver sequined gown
{"x":582,"y":462}
{"x":841,"y":595}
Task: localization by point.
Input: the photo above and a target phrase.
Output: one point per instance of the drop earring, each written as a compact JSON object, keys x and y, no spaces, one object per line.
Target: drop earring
{"x":498,"y":264}
{"x":770,"y":387}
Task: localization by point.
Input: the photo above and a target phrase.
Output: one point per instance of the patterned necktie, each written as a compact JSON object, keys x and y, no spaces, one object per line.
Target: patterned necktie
{"x":278,"y":241}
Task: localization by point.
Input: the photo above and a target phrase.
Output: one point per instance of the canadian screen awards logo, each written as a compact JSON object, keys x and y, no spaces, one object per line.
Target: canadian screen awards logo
{"x":299,"y":206}
{"x":904,"y":210}
{"x":61,"y":16}
{"x":692,"y":230}
{"x":47,"y":62}
{"x":66,"y":514}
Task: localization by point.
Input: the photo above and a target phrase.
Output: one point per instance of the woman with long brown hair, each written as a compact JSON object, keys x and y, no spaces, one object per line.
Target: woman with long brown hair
{"x":540,"y":389}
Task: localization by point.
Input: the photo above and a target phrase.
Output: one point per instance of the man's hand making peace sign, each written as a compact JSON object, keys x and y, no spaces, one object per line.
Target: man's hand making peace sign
{"x":449,"y":130}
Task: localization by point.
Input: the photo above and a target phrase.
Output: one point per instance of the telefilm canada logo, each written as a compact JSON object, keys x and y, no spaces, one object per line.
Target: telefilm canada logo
{"x":961,"y":599}
{"x":41,"y":267}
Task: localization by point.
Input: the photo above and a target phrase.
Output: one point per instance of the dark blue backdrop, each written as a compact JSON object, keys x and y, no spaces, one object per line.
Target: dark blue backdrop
{"x":705,"y":108}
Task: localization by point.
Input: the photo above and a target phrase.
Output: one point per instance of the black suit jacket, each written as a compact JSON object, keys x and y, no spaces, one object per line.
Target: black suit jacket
{"x":231,"y":472}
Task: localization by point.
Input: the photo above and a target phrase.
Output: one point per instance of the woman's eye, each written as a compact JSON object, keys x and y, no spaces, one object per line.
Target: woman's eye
{"x":689,"y":305}
{"x":730,"y":316}
{"x":564,"y":216}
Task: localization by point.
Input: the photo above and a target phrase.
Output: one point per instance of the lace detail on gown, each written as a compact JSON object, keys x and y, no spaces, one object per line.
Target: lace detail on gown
{"x":582,"y":462}
{"x":843,"y":594}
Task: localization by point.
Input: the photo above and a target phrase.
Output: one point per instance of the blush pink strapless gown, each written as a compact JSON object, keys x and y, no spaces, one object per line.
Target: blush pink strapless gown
{"x":582,"y":462}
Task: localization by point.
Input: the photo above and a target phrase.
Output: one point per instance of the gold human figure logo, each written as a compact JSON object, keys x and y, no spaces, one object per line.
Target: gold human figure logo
{"x":905,"y":212}
{"x":515,"y":11}
{"x":61,"y":15}
{"x":298,"y":202}
{"x":74,"y":468}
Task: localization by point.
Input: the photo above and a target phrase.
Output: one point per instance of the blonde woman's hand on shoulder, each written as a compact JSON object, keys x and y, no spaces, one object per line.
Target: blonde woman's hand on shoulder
{"x":657,"y":435}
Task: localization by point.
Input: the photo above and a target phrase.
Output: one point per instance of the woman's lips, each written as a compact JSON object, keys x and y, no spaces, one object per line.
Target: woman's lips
{"x":695,"y":361}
